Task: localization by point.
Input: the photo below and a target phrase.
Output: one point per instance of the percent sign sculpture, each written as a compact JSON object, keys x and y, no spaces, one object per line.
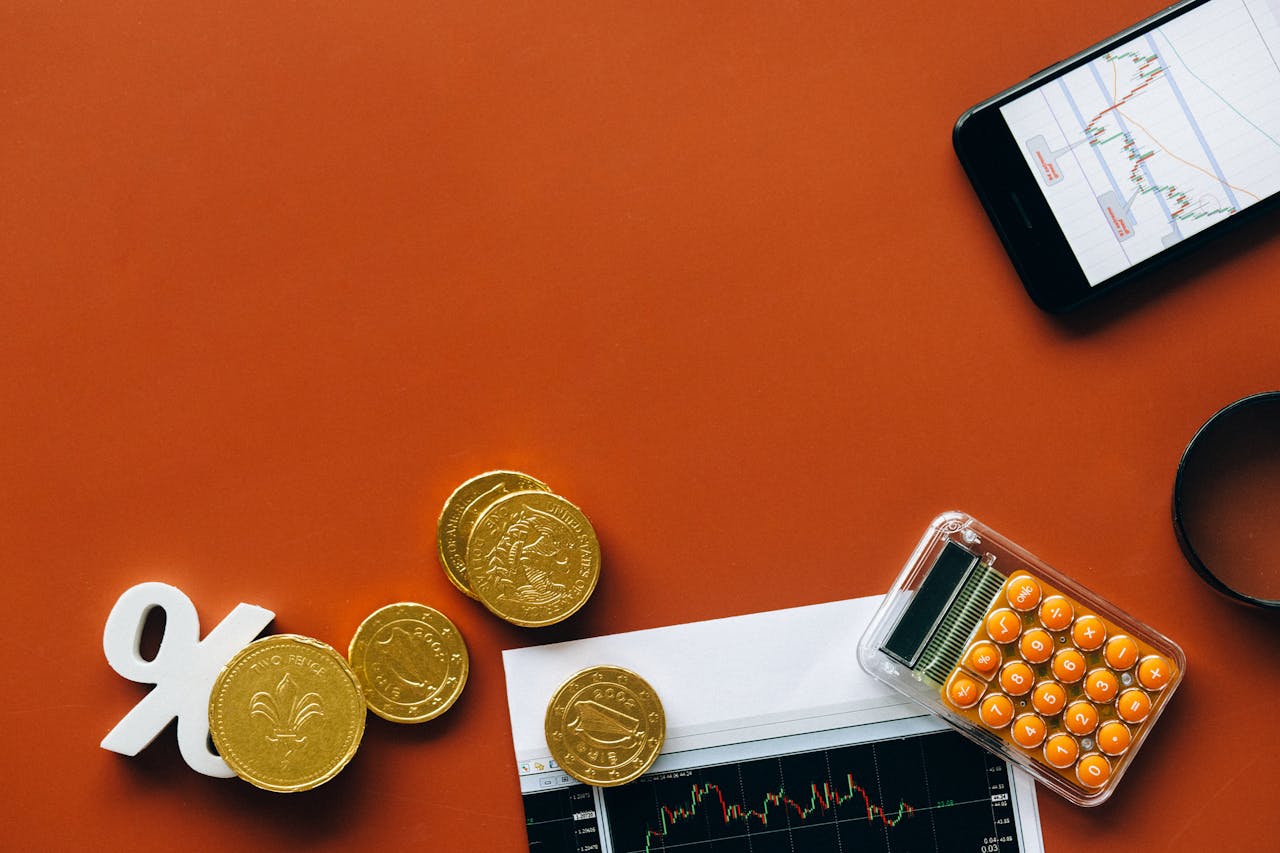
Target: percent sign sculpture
{"x":183,"y":669}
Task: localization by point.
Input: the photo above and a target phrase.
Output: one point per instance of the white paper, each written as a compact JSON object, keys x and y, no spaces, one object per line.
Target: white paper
{"x":734,"y":691}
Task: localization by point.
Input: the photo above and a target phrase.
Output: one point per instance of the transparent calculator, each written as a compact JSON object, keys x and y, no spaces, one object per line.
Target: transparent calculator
{"x":1021,"y":659}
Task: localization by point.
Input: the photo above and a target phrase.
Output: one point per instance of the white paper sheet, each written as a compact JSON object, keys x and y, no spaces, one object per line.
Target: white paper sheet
{"x":779,"y":685}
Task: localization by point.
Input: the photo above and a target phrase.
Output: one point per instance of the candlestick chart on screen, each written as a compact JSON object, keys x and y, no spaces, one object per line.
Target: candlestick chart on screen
{"x":1161,"y":137}
{"x":931,"y":792}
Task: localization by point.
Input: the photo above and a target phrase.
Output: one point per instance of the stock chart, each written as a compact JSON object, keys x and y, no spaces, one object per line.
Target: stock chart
{"x":1153,"y":141}
{"x":930,"y":792}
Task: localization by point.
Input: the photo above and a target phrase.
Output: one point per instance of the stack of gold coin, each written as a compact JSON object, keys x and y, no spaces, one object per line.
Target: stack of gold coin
{"x":286,"y":713}
{"x":411,"y":662}
{"x":605,"y":726}
{"x":528,"y":555}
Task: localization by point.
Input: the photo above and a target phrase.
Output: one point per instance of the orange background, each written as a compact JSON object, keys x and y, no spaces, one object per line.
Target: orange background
{"x":275,"y":280}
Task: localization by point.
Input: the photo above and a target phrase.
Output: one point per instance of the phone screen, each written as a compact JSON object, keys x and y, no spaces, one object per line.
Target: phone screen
{"x":1160,"y":137}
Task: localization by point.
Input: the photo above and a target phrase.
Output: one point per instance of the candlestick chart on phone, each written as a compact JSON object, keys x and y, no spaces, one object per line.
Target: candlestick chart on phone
{"x":1159,"y":138}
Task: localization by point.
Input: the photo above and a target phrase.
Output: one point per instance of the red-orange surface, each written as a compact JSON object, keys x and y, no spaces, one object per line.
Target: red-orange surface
{"x":277,"y":277}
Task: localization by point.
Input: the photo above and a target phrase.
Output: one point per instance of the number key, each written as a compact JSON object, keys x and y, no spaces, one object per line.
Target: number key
{"x":1061,"y":751}
{"x":1036,"y":645}
{"x":1028,"y":731}
{"x":1101,"y":685}
{"x":1093,"y":771}
{"x":1080,"y":718}
{"x":1048,"y":698}
{"x":1016,"y":678}
{"x":996,"y":711}
{"x":1068,"y":666}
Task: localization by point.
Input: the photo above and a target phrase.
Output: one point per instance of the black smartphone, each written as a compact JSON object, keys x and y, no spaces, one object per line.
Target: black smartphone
{"x":1135,"y":152}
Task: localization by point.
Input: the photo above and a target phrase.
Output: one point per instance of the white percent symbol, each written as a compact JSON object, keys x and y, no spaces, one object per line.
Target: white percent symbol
{"x":183,"y":670}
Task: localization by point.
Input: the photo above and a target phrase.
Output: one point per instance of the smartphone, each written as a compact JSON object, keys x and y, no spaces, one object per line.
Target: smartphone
{"x":1135,"y":152}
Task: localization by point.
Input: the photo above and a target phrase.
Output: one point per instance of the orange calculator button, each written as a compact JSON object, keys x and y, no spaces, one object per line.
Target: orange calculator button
{"x":963,"y":691}
{"x":1154,"y":672}
{"x":1093,"y":771}
{"x":1068,"y":666}
{"x":1121,"y":652}
{"x":1061,"y":750}
{"x":1056,"y":612}
{"x":1048,"y":698}
{"x":1028,"y":731}
{"x":984,"y":659}
{"x":1016,"y":678}
{"x":1113,"y":738}
{"x":1088,"y":632}
{"x":1036,"y":645}
{"x":996,"y":711}
{"x":1004,"y":625}
{"x":1080,"y":718}
{"x":1023,"y":592}
{"x":1101,"y":685}
{"x":1133,"y":706}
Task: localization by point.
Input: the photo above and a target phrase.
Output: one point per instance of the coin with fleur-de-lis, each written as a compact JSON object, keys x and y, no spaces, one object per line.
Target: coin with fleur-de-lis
{"x":286,"y":713}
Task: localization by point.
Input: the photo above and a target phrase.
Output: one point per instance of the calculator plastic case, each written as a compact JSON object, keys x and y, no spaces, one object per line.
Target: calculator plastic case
{"x":962,"y":626}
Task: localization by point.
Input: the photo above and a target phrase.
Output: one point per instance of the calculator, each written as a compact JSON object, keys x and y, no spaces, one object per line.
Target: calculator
{"x":1022,"y":659}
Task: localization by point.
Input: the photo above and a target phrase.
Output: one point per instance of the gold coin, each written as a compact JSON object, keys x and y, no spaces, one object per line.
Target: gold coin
{"x":411,"y":662}
{"x":533,"y":558}
{"x":286,"y":713}
{"x":460,"y":512}
{"x":605,"y":726}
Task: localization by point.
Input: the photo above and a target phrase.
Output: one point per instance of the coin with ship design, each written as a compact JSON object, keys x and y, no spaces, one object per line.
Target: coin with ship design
{"x":286,"y":713}
{"x":463,"y":507}
{"x":411,"y":662}
{"x":533,"y":558}
{"x":605,"y":726}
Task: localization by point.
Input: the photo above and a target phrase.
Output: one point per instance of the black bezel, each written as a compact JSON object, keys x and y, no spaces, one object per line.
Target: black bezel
{"x":1018,"y":209}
